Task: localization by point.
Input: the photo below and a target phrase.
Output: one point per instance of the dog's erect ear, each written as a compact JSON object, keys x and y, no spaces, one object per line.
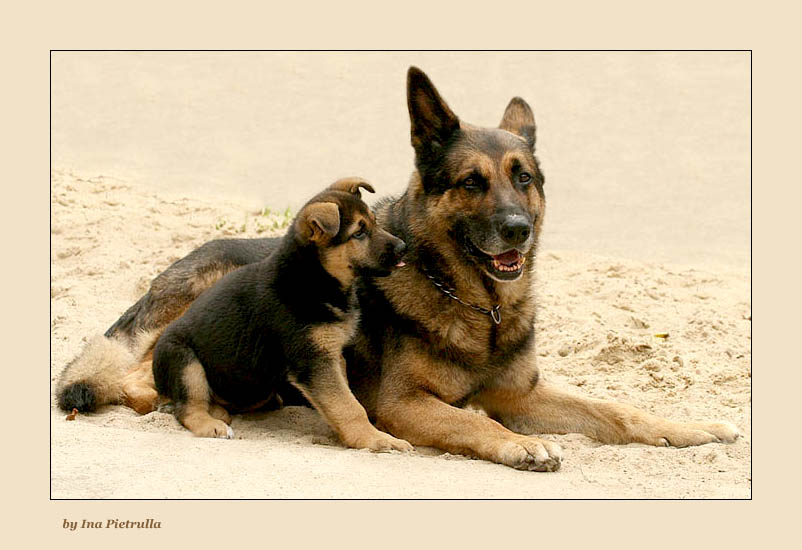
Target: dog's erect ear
{"x":519,"y":120}
{"x":352,"y":185}
{"x":318,"y":222}
{"x":433,"y":122}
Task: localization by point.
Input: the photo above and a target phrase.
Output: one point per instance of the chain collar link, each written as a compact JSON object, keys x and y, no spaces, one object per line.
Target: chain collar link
{"x":495,"y":312}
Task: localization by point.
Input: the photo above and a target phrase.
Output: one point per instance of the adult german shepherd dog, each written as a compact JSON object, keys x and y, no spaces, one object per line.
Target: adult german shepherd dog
{"x":454,"y":327}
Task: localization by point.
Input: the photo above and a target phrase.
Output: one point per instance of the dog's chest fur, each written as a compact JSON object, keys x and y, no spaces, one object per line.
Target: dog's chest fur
{"x":453,"y":331}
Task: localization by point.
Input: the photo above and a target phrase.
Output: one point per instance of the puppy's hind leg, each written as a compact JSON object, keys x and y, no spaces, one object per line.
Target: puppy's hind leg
{"x":178,"y":373}
{"x":193,"y":412}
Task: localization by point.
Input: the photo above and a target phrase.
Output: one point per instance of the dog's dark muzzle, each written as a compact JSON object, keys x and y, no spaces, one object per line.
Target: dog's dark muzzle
{"x":514,"y":229}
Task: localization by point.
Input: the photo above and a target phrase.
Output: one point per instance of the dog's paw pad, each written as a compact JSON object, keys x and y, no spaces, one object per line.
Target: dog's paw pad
{"x":533,"y":454}
{"x":724,"y":432}
{"x":229,"y":433}
{"x":693,"y":433}
{"x":381,"y":442}
{"x":214,"y":429}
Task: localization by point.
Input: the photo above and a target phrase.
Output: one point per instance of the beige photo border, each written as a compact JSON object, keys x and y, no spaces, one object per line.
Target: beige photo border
{"x":31,"y":516}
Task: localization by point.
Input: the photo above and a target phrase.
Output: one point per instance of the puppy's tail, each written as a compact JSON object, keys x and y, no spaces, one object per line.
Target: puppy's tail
{"x":95,"y":377}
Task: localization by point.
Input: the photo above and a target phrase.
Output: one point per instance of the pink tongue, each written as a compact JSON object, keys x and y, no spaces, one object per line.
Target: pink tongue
{"x":508,"y":258}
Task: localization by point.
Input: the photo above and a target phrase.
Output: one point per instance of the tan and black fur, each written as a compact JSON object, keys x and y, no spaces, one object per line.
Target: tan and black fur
{"x":282,"y":320}
{"x":471,"y":217}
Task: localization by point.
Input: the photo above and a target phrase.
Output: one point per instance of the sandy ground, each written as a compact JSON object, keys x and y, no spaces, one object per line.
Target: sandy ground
{"x":597,"y":321}
{"x":647,"y":160}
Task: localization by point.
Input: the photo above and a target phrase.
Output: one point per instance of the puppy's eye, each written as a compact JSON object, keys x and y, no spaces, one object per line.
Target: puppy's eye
{"x":525,"y":177}
{"x":359,"y":235}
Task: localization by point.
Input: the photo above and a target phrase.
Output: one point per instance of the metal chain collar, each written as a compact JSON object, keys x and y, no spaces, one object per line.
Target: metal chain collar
{"x":495,"y":312}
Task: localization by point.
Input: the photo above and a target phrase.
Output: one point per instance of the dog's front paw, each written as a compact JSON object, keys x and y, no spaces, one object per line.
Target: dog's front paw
{"x":379,"y":441}
{"x":531,"y":453}
{"x":214,"y":428}
{"x":688,"y":434}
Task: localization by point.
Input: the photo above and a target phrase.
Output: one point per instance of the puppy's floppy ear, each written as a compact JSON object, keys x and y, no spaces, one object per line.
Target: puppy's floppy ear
{"x":318,"y":221}
{"x":519,"y":120}
{"x":433,"y":122}
{"x":352,"y":185}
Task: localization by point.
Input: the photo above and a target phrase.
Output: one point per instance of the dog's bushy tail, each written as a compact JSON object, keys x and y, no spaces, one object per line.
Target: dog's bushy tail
{"x":78,"y":395}
{"x":95,"y":376}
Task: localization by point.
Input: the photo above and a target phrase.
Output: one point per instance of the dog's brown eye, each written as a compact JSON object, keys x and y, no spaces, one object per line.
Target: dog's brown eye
{"x":359,"y":235}
{"x":525,"y":177}
{"x":470,"y":184}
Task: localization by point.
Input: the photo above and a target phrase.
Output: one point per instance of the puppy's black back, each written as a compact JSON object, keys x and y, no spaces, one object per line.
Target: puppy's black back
{"x":251,"y":329}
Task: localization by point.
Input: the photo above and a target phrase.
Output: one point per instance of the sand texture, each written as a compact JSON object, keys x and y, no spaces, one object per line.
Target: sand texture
{"x":597,"y":321}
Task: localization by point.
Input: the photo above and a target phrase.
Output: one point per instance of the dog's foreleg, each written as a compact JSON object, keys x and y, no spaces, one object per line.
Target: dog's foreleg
{"x":546,"y":408}
{"x":326,"y":387}
{"x":423,"y":419}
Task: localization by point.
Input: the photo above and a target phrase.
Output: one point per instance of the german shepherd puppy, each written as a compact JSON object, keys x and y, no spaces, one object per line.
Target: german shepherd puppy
{"x":455,"y":326}
{"x":285,"y":318}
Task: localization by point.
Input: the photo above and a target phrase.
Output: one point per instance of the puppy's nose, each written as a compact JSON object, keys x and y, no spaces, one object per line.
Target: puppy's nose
{"x":400,"y":248}
{"x":515,"y":229}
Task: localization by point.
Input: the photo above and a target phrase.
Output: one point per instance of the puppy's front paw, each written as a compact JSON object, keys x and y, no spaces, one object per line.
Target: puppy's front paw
{"x":379,"y":441}
{"x":214,"y":428}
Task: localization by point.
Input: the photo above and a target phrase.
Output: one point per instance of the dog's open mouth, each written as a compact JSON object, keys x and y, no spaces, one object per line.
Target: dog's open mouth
{"x":509,"y":262}
{"x":507,"y":265}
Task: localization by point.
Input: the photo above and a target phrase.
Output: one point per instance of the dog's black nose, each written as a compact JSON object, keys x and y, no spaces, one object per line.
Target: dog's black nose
{"x":515,"y":229}
{"x":400,"y":248}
